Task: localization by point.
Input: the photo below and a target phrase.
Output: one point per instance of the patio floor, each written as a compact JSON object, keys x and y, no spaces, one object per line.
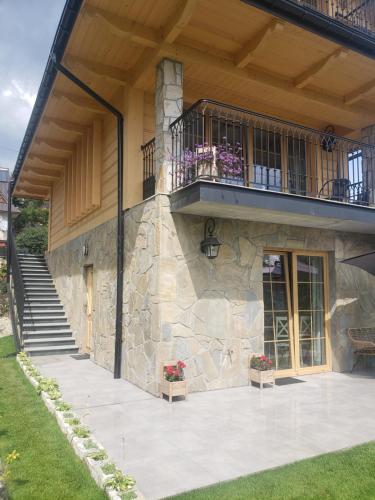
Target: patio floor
{"x":218,"y":435}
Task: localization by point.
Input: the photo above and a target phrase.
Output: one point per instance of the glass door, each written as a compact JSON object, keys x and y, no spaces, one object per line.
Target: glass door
{"x":309,"y":292}
{"x":295,"y":312}
{"x":278,"y":325}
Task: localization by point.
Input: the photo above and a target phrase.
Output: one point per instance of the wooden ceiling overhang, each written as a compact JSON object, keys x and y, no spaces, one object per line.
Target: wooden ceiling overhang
{"x":232,"y":52}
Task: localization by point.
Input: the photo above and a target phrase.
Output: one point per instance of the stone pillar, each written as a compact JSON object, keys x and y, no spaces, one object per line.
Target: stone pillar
{"x":368,"y":163}
{"x":168,"y":107}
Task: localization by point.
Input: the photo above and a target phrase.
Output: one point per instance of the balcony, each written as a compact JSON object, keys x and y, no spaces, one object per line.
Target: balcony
{"x":358,"y":14}
{"x":231,"y":162}
{"x":350,"y":23}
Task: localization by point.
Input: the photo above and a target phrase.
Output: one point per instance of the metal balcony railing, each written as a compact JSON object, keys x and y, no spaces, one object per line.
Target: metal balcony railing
{"x":148,"y":151}
{"x":358,"y":14}
{"x":216,"y":142}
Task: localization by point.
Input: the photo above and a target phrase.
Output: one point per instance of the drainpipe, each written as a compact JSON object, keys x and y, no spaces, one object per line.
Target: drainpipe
{"x":120,"y":196}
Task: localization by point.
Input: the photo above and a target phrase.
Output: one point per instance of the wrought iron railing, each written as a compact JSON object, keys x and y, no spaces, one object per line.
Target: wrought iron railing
{"x":16,"y":292}
{"x":358,"y":14}
{"x":216,"y":142}
{"x":148,"y":150}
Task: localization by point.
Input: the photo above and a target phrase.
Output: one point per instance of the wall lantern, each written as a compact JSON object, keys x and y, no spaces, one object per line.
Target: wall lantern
{"x":210,"y":246}
{"x":85,"y":249}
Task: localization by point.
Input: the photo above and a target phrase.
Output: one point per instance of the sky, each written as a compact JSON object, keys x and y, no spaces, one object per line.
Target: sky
{"x":27,"y":29}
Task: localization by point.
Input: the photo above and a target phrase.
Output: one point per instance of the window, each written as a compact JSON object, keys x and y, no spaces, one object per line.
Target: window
{"x":267,"y":160}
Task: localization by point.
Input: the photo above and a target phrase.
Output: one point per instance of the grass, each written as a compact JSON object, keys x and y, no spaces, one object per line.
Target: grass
{"x":47,"y":467}
{"x":345,"y":475}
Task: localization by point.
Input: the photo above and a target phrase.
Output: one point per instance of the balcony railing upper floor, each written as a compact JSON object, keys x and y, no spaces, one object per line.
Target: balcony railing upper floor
{"x":224,"y":144}
{"x":357,"y":14}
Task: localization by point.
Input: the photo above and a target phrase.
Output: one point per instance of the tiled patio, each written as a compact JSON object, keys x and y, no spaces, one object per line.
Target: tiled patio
{"x":218,"y":435}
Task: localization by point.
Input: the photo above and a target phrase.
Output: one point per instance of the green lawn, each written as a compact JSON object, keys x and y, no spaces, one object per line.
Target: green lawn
{"x":47,"y":468}
{"x":346,"y":475}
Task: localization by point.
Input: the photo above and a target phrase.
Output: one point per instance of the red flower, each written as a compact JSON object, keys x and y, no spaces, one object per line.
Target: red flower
{"x":181,"y":365}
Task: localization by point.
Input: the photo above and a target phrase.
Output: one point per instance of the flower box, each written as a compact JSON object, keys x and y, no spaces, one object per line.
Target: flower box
{"x":176,"y":385}
{"x":261,"y":370}
{"x":262,"y":377}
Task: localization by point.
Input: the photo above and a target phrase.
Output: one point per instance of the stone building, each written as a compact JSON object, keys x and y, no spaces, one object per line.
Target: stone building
{"x":256,"y":129}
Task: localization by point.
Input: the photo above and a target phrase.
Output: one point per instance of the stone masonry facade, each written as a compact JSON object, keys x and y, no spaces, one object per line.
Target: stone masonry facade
{"x":180,"y":305}
{"x":67,"y":265}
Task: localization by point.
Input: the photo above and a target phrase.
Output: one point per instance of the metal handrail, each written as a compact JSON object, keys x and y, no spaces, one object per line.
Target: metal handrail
{"x":16,"y":292}
{"x":222,"y":143}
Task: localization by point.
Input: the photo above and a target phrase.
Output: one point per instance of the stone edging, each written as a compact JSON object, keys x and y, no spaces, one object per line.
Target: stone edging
{"x":77,"y":443}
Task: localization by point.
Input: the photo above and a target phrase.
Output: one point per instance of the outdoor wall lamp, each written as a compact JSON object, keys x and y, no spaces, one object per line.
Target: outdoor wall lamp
{"x":210,"y":246}
{"x":85,"y":249}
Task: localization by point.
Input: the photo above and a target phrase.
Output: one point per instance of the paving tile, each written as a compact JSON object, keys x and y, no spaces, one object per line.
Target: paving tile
{"x":217,"y":435}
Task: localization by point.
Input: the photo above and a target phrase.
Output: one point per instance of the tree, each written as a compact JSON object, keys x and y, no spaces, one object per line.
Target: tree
{"x":31,"y":225}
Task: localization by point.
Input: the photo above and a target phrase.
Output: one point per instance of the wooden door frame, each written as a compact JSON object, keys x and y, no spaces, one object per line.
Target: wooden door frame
{"x":328,"y":366}
{"x":89,"y":270}
{"x":293,"y":308}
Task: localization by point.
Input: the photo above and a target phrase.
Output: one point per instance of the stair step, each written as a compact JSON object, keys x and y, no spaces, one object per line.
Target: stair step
{"x":34,"y":327}
{"x":32,"y":311}
{"x":43,"y":319}
{"x":35,"y":277}
{"x":48,"y":333}
{"x":49,"y":341}
{"x":53,"y":350}
{"x":46,"y":294}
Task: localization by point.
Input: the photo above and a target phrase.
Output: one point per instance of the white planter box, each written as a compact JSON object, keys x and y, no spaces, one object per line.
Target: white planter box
{"x":262,"y":377}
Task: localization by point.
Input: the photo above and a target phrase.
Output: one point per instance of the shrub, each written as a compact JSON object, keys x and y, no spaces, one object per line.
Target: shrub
{"x":109,"y":468}
{"x":33,"y":239}
{"x":120,"y":482}
{"x":89,"y":444}
{"x":98,"y":455}
{"x":72,"y":421}
{"x":62,"y":406}
{"x":81,"y":432}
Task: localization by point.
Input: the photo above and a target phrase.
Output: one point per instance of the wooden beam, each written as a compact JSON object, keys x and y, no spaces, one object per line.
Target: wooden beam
{"x":244,"y":56}
{"x":170,"y":32}
{"x":32,"y":190}
{"x":53,"y":161}
{"x":266,"y":79}
{"x":100,"y":70}
{"x":39,"y":173}
{"x":64,"y":147}
{"x":79,"y":101}
{"x":131,"y":30}
{"x":229,"y":66}
{"x":359,"y":93}
{"x":64,"y":125}
{"x":179,"y":19}
{"x":36,"y":182}
{"x":304,"y":78}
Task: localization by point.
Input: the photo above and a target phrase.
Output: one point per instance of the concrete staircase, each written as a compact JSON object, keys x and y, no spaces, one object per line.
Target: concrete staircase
{"x":46,"y":329}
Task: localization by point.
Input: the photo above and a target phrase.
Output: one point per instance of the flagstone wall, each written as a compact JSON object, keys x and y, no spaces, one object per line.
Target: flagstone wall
{"x":209,"y":313}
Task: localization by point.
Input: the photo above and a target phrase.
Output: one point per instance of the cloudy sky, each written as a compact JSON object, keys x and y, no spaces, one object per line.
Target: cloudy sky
{"x":27,"y":28}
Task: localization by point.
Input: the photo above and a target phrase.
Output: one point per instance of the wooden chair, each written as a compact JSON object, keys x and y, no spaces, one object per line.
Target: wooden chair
{"x":363,"y":342}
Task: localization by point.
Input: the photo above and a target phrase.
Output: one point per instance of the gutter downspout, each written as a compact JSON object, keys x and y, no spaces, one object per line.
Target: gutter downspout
{"x":120,"y":197}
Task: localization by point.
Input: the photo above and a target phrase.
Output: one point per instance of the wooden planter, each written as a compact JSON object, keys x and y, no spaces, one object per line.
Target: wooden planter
{"x":262,"y":377}
{"x":171,"y":389}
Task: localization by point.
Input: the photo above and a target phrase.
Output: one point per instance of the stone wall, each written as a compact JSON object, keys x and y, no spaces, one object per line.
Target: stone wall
{"x":67,"y":265}
{"x":180,"y":305}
